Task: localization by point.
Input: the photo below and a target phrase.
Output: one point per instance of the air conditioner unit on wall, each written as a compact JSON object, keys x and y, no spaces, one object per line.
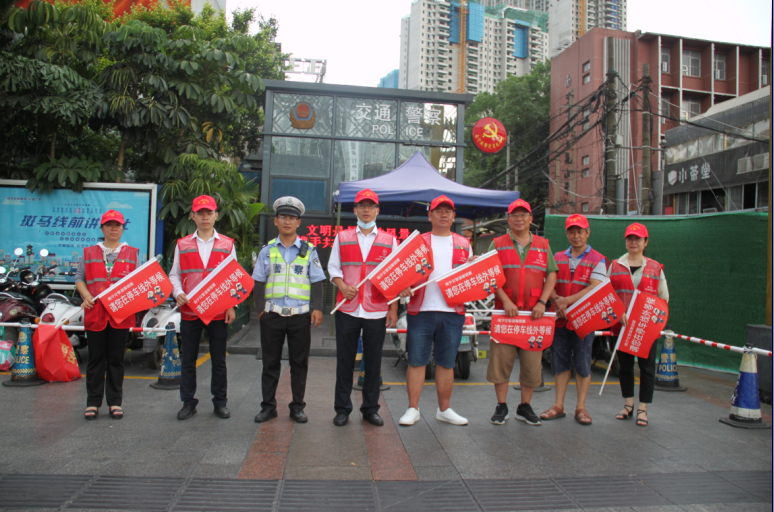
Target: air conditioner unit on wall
{"x":665,"y":67}
{"x":684,"y":115}
{"x":684,"y":69}
{"x":717,"y":74}
{"x":764,"y":80}
{"x":744,"y":165}
{"x":760,"y":162}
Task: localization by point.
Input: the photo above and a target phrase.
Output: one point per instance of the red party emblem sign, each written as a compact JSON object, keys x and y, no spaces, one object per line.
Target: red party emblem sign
{"x":489,"y":135}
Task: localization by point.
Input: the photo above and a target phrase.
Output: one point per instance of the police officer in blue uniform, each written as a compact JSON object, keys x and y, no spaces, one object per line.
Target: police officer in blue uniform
{"x":287,"y":275}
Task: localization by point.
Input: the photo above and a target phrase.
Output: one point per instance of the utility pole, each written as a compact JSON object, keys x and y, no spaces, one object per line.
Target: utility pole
{"x":768,"y":266}
{"x":610,"y":153}
{"x":647,"y":181}
{"x":508,"y":162}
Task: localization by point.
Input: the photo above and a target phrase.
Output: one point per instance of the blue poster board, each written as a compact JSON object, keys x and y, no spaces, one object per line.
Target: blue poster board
{"x":64,"y":222}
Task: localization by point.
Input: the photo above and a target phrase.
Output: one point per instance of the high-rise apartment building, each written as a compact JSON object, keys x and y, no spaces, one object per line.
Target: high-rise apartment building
{"x":498,"y":41}
{"x":571,"y":19}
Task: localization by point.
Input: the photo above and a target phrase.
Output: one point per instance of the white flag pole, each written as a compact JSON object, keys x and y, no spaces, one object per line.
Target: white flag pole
{"x":618,"y":341}
{"x":379,"y":267}
{"x":112,"y":287}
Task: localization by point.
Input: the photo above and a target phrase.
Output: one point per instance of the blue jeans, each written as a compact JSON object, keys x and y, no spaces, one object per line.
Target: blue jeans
{"x":440,"y":328}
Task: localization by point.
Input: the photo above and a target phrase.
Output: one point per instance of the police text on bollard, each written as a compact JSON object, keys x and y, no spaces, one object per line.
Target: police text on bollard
{"x":23,"y":372}
{"x":169,"y":373}
{"x":667,"y":378}
{"x":746,"y":403}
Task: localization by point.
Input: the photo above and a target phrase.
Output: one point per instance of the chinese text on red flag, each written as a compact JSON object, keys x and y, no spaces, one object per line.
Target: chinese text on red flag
{"x":598,"y":310}
{"x":228,"y":285}
{"x":412,"y":262}
{"x":473,"y":281}
{"x":145,"y":288}
{"x":523,"y":331}
{"x":647,"y":317}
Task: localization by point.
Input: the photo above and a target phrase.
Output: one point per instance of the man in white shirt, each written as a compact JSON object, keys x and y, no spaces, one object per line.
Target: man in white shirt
{"x":197,"y":255}
{"x":433,"y":326}
{"x":355,"y":253}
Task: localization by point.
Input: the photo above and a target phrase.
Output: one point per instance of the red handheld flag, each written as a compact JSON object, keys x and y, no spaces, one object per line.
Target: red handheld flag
{"x":226,"y":286}
{"x":143,"y":289}
{"x":473,"y":281}
{"x":409,"y":264}
{"x":646,"y":318}
{"x":54,"y":356}
{"x":523,"y":331}
{"x":598,"y":310}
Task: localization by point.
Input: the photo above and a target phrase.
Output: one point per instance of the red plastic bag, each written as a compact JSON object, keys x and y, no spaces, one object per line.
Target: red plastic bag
{"x":54,"y":356}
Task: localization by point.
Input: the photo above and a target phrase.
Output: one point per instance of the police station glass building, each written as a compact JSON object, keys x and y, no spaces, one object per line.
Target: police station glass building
{"x":318,"y":135}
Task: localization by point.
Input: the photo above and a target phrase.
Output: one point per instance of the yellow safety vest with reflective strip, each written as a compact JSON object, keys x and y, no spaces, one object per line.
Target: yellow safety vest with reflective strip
{"x":288,"y":279}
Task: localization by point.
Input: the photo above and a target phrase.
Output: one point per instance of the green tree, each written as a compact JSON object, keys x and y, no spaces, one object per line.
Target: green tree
{"x":522,"y":104}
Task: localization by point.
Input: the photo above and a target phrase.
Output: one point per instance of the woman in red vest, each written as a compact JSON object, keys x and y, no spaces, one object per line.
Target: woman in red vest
{"x":101,"y":266}
{"x":634,"y":271}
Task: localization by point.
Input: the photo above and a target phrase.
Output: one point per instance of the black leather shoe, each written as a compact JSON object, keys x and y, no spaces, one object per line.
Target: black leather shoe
{"x":186,"y":412}
{"x":341,"y":419}
{"x":298,"y":416}
{"x":374,"y":419}
{"x":265,"y":415}
{"x":222,"y":412}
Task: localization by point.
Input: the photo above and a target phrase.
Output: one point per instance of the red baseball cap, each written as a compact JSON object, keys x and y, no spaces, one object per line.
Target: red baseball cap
{"x":637,"y":229}
{"x":112,"y":215}
{"x":438,"y":201}
{"x":576,"y":220}
{"x":204,"y":202}
{"x":366,"y":195}
{"x":519,"y":203}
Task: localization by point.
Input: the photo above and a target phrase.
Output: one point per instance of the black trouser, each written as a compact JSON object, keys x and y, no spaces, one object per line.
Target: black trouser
{"x":274,"y":329}
{"x":106,"y":356}
{"x":347,"y":333}
{"x":647,"y":374}
{"x":190,"y":335}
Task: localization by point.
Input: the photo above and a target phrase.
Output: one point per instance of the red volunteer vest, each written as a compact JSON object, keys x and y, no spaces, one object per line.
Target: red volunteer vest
{"x":97,"y":281}
{"x":568,"y":284}
{"x":621,"y":279}
{"x":355,"y":270}
{"x":523,"y":282}
{"x":460,"y":253}
{"x":193,"y":270}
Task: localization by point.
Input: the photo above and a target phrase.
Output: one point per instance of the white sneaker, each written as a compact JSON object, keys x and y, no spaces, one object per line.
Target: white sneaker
{"x":449,"y":416}
{"x":410,"y":417}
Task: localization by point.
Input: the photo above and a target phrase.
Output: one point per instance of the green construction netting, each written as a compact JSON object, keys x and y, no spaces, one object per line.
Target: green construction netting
{"x":715,"y":267}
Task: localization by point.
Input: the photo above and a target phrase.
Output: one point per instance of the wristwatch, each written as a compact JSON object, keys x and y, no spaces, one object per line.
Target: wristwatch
{"x":543,"y":302}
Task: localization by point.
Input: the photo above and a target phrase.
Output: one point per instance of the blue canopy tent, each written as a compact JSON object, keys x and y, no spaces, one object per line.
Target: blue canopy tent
{"x":409,"y":189}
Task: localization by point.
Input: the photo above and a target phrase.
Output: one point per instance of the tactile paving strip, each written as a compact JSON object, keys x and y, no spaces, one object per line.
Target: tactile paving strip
{"x":39,"y":491}
{"x":505,"y":495}
{"x":327,"y":495}
{"x":129,"y":493}
{"x":422,"y":496}
{"x":613,"y":491}
{"x":228,"y":495}
{"x":235,"y":495}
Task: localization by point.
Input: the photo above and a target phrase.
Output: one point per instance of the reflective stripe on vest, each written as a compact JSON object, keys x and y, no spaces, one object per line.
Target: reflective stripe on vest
{"x":193,"y":270}
{"x":281,"y":283}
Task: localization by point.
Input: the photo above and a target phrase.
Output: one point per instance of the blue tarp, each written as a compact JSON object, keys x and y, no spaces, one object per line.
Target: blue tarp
{"x":409,"y":189}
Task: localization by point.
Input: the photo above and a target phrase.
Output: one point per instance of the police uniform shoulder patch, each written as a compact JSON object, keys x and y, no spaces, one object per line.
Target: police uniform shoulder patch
{"x":317,"y":262}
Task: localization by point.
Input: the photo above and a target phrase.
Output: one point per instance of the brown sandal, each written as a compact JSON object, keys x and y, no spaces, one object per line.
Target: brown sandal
{"x":582,"y":417}
{"x":553,"y":413}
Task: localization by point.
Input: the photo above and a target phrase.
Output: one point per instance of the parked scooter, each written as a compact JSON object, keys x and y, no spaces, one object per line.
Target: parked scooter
{"x":467,"y":351}
{"x":21,"y":298}
{"x":153,"y":342}
{"x":59,"y":306}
